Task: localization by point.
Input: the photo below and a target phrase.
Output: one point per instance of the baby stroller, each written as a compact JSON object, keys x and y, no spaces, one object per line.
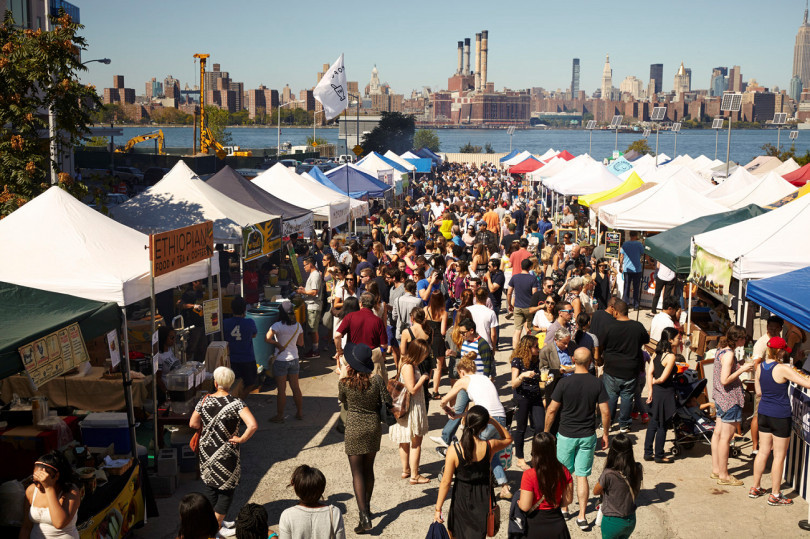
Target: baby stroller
{"x":691,"y":424}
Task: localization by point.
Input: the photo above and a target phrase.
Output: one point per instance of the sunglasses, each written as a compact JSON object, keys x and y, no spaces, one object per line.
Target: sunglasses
{"x":350,"y":280}
{"x":566,"y":310}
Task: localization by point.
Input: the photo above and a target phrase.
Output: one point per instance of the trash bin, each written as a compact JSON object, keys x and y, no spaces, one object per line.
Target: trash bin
{"x":265,"y":315}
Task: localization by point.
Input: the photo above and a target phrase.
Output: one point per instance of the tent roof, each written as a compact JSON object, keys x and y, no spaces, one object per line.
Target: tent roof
{"x":765,"y":189}
{"x":425,"y":152}
{"x":375,"y":162}
{"x":682,"y":175}
{"x":519,"y":158}
{"x":593,"y":177}
{"x":798,"y":177}
{"x":527,"y":165}
{"x":788,"y":166}
{"x":631,"y":183}
{"x":508,"y":156}
{"x":632,"y":155}
{"x":558,"y":165}
{"x":399,"y":160}
{"x":762,"y":164}
{"x":317,"y":175}
{"x":181,"y":199}
{"x":605,"y":201}
{"x":410,"y":155}
{"x":619,"y":166}
{"x":284,"y":183}
{"x":739,"y":179}
{"x":759,"y":247}
{"x":423,"y":166}
{"x":786,"y":295}
{"x":28,"y":314}
{"x":551,"y":152}
{"x":662,"y":207}
{"x":672,"y":247}
{"x":350,"y":177}
{"x":58,"y":244}
{"x":790,"y":197}
{"x":565,"y":155}
{"x":357,"y":208}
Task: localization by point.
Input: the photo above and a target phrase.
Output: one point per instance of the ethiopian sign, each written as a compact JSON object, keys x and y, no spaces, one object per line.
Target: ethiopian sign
{"x":175,"y":249}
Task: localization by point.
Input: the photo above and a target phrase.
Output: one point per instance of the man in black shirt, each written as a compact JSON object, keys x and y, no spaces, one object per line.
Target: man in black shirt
{"x":576,"y":397}
{"x":523,"y":286}
{"x":620,"y":345}
{"x":495,"y":281}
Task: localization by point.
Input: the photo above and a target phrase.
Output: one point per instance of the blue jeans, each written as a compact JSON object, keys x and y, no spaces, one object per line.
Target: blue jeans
{"x":490,"y":433}
{"x":449,"y":430}
{"x":632,"y":279}
{"x":615,"y":388}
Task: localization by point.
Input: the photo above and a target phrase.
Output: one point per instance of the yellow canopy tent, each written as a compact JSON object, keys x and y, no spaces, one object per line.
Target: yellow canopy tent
{"x":798,"y":193}
{"x":632,"y":182}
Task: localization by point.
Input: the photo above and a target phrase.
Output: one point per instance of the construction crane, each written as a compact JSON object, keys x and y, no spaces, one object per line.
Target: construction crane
{"x":141,"y":138}
{"x":207,"y":140}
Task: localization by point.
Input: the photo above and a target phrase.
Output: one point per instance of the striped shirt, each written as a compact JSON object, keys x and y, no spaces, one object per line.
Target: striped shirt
{"x":466,"y":348}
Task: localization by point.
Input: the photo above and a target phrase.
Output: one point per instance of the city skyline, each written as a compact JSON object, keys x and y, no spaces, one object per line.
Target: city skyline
{"x":284,"y":53}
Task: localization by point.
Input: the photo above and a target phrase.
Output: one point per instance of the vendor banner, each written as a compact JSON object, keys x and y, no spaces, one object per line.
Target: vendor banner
{"x":386,"y":176}
{"x":800,"y":402}
{"x":54,"y":354}
{"x":302,"y":226}
{"x":261,"y":239}
{"x":712,"y":274}
{"x":181,"y":247}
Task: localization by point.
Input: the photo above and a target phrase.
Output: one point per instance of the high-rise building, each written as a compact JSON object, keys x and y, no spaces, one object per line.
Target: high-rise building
{"x":607,"y":79}
{"x":575,"y":77}
{"x":286,"y":94}
{"x":801,"y":52}
{"x":682,"y":82}
{"x":657,"y":77}
{"x":171,"y":87}
{"x":719,"y":81}
{"x":374,"y":83}
{"x":632,"y":86}
{"x":796,"y":87}
{"x":154,"y":89}
{"x":735,"y":79}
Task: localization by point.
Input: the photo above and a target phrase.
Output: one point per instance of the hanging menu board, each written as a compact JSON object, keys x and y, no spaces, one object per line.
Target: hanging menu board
{"x":54,"y":354}
{"x":613,"y":242}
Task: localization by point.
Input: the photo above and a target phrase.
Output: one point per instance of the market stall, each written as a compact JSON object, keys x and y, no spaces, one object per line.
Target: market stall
{"x":761,"y":192}
{"x":357,"y":208}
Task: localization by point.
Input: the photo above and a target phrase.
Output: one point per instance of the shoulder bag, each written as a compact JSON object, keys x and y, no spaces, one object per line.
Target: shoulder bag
{"x":386,"y":416}
{"x":399,"y":396}
{"x":494,"y":511}
{"x":281,"y":348}
{"x":194,"y":443}
{"x":338,"y":313}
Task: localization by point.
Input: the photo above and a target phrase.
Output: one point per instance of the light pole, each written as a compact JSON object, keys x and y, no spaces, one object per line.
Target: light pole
{"x":99,"y":60}
{"x":657,"y":116}
{"x":676,"y":128}
{"x":717,"y":125}
{"x":590,"y":126}
{"x":510,"y":131}
{"x":278,"y":114}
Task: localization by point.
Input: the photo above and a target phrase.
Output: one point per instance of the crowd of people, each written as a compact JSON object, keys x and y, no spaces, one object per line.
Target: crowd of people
{"x":419,"y":302}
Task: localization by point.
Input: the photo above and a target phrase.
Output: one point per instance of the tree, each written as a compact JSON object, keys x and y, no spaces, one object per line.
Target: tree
{"x":772,"y":150}
{"x":38,"y":71}
{"x":217,"y":121}
{"x":488,"y":148}
{"x":469,"y":148}
{"x":426,"y":138}
{"x":395,"y":132}
{"x":239,"y":118}
{"x":640,"y":146}
{"x":316,"y":141}
{"x":171,"y":115}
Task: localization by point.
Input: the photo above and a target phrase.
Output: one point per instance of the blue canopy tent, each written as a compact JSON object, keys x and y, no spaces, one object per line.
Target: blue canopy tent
{"x":786,"y":295}
{"x":347,"y":177}
{"x":316,"y":174}
{"x":396,"y":166}
{"x":423,"y":165}
{"x":424,"y":152}
{"x":509,"y":156}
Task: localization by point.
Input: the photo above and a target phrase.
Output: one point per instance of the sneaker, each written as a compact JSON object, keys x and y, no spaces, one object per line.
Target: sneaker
{"x":756,"y":492}
{"x":442,"y":451}
{"x":228,"y":523}
{"x":226,"y":532}
{"x":645,"y":418}
{"x":779,"y":500}
{"x":624,"y":430}
{"x":583,"y":524}
{"x":438,"y":440}
{"x":312,"y":354}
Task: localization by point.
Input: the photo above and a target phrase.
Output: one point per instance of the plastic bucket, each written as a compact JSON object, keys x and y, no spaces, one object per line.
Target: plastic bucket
{"x":264,"y":317}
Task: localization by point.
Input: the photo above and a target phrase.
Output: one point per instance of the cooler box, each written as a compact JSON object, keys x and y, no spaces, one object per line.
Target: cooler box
{"x":104,"y":428}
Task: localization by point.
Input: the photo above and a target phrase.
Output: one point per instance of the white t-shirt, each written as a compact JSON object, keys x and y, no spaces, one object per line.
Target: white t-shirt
{"x":485,"y":319}
{"x":483,"y":392}
{"x":314,"y":282}
{"x":286,"y":333}
{"x":659,"y":322}
{"x":761,"y":346}
{"x":541,"y":320}
{"x":665,"y":274}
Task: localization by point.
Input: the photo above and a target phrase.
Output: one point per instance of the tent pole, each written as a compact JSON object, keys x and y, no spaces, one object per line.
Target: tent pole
{"x":743,"y":298}
{"x":242,"y":271}
{"x":219,"y":314}
{"x":210,"y":281}
{"x":154,"y":366}
{"x":128,"y":388}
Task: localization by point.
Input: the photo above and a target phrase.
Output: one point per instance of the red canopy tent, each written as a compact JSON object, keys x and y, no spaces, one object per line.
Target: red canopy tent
{"x":799,"y":177}
{"x":528,"y":165}
{"x":565,"y":155}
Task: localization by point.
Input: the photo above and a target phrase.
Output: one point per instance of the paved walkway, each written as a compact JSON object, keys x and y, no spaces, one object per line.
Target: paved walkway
{"x":677,"y":500}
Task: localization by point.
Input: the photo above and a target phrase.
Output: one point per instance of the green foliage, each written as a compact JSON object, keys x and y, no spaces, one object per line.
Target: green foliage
{"x":97,"y":142}
{"x":395,"y":132}
{"x":316,"y":141}
{"x":426,"y":138}
{"x":772,"y":150}
{"x":239,"y":118}
{"x":297,"y":116}
{"x":171,"y":115}
{"x":640,"y":146}
{"x":217,"y":120}
{"x":488,"y":148}
{"x":38,"y":71}
{"x":108,"y":114}
{"x":469,"y":148}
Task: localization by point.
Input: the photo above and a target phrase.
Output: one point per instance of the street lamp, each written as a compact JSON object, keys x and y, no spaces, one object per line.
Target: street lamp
{"x":278,"y":114}
{"x":99,"y":60}
{"x":357,"y":118}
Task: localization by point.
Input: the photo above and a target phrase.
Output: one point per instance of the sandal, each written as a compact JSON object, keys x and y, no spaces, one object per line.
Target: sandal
{"x":436,"y":396}
{"x":419,"y":480}
{"x":730,"y":482}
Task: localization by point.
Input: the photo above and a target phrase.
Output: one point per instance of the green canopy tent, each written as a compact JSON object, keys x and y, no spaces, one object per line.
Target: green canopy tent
{"x":672,"y":248}
{"x":27,"y":314}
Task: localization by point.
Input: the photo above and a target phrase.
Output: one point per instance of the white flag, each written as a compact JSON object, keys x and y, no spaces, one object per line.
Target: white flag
{"x":332,"y":91}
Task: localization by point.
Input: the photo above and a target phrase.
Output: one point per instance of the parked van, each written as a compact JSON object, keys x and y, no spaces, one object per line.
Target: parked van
{"x":347,"y":158}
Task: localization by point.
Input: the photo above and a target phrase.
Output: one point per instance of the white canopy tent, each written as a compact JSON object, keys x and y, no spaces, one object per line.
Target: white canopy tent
{"x":643,"y":166}
{"x":759,"y":247}
{"x":787,"y":167}
{"x":592,"y":177}
{"x":681,"y":175}
{"x":681,"y":160}
{"x":558,"y":165}
{"x":762,"y":164}
{"x":183,"y":199}
{"x":519,"y":158}
{"x":306,"y":193}
{"x":659,"y":208}
{"x":410,"y":155}
{"x":551,"y":152}
{"x":58,"y":244}
{"x":399,"y":160}
{"x":375,"y":166}
{"x":741,"y":179}
{"x":764,"y":191}
{"x":357,"y":208}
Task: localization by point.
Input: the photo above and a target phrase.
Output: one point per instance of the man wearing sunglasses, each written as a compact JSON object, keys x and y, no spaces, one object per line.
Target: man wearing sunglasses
{"x":565,"y":314}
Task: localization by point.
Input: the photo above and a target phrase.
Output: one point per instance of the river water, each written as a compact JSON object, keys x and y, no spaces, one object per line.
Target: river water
{"x":745,"y":143}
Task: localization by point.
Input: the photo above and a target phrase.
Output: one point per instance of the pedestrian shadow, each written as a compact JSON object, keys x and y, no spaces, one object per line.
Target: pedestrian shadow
{"x":427,"y":499}
{"x":660,"y":493}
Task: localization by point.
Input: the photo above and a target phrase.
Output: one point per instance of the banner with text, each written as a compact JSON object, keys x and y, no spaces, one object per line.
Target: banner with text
{"x":800,"y":402}
{"x":261,"y":239}
{"x":175,"y":249}
{"x":712,"y":274}
{"x":54,"y":354}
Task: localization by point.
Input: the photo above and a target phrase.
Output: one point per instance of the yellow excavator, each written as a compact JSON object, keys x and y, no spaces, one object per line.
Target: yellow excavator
{"x":207,"y":140}
{"x":141,"y":138}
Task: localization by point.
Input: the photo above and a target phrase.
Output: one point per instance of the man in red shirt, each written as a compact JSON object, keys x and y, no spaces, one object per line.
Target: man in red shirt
{"x":519,"y":256}
{"x":365,"y":327}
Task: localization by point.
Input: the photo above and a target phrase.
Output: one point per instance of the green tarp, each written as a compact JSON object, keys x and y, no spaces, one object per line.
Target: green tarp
{"x":671,"y":248}
{"x":27,"y":314}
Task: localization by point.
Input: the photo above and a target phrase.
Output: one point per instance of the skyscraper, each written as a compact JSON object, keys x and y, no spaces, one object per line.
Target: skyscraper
{"x":607,"y":79}
{"x":657,"y":76}
{"x":801,"y":52}
{"x":735,"y":79}
{"x":719,"y":81}
{"x":681,"y":83}
{"x":575,"y":78}
{"x":796,"y":87}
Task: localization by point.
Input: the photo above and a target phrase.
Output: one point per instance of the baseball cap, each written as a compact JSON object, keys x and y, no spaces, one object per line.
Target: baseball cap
{"x":779,"y":343}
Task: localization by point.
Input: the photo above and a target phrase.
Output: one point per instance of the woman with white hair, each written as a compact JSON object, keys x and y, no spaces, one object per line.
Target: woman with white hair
{"x":218,"y":417}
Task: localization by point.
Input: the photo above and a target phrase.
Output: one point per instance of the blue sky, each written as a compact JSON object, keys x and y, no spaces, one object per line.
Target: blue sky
{"x":413,"y":44}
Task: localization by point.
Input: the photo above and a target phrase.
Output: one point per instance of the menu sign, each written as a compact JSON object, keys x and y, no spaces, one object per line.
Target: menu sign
{"x":211,"y":316}
{"x":175,"y":249}
{"x":613,"y":242}
{"x":54,"y":354}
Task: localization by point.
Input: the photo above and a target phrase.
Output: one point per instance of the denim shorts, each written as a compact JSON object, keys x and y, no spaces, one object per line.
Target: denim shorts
{"x":285,"y":368}
{"x":732,"y":415}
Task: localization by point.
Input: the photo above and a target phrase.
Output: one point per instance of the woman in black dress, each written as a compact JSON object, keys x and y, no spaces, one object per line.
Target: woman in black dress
{"x":436,"y":317}
{"x":661,"y":401}
{"x":361,"y":394}
{"x":528,"y":395}
{"x":469,"y":462}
